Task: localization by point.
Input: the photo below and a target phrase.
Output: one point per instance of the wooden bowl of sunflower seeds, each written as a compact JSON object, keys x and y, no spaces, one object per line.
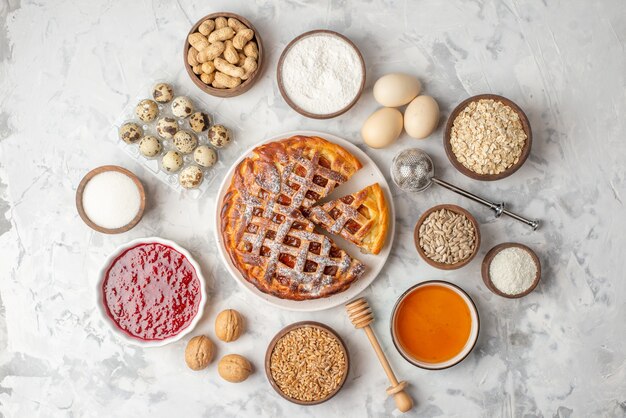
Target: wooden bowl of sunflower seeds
{"x":447,"y":237}
{"x":307,"y":363}
{"x":487,"y":137}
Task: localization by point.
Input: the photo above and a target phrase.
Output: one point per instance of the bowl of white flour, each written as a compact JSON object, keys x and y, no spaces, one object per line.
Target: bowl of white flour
{"x":321,"y":74}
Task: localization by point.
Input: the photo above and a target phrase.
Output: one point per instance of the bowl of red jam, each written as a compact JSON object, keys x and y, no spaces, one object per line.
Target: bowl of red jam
{"x":151,"y":291}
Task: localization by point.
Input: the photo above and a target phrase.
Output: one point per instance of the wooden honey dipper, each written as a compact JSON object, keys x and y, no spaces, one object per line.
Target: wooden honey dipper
{"x":361,"y":316}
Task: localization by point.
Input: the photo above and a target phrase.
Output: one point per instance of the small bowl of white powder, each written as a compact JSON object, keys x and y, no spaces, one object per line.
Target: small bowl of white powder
{"x":511,"y":270}
{"x":321,"y":74}
{"x":110,"y":199}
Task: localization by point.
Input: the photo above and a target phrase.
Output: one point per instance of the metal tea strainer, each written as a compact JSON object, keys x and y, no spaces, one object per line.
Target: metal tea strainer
{"x":413,"y":170}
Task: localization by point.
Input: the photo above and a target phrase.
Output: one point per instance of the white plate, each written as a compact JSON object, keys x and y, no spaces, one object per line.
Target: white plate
{"x":367,"y":175}
{"x":100,"y":297}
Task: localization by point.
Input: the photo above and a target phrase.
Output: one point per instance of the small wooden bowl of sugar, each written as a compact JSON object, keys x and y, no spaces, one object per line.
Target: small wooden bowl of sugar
{"x":110,"y":199}
{"x":511,"y":270}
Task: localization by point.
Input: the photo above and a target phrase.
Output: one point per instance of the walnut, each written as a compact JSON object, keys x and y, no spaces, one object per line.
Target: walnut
{"x":234,"y":368}
{"x":228,"y":325}
{"x":199,"y":352}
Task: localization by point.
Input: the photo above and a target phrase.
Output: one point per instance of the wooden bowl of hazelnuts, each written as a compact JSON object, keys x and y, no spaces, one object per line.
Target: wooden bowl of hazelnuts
{"x":223,"y":54}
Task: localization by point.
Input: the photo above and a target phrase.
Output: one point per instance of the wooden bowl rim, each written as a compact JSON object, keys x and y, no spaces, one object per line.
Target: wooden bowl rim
{"x":283,"y":332}
{"x":279,"y":74}
{"x":401,"y":299}
{"x":243,"y":87}
{"x":81,"y":189}
{"x":453,"y":208}
{"x":488,"y":177}
{"x":484,"y":270}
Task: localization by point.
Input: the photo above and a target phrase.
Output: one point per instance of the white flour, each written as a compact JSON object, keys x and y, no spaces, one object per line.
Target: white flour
{"x":512,"y":271}
{"x":111,"y":199}
{"x":322,"y":74}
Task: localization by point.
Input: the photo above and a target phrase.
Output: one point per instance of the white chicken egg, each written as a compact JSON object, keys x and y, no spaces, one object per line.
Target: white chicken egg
{"x":396,"y":89}
{"x":382,"y":127}
{"x":421,"y":117}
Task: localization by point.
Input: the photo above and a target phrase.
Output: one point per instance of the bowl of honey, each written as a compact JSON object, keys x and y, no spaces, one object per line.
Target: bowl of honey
{"x":434,"y":325}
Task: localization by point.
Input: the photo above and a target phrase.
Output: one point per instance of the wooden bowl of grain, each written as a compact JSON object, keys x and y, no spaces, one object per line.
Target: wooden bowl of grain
{"x":245,"y":85}
{"x":471,"y":157}
{"x":324,"y":353}
{"x":428,"y":243}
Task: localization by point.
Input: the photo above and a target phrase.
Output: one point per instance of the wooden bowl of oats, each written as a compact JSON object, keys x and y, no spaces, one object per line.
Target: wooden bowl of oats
{"x":447,"y":237}
{"x":487,"y":137}
{"x":307,"y":363}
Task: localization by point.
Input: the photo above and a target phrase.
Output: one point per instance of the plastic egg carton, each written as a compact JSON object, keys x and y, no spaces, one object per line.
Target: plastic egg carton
{"x":154,"y":164}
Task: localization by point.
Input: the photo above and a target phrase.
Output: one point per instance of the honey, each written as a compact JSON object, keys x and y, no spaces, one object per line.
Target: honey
{"x":432,"y":323}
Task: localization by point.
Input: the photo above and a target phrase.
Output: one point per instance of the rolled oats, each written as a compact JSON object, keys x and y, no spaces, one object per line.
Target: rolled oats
{"x":487,"y":137}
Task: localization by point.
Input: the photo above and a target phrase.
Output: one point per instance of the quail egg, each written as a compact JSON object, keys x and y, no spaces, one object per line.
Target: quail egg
{"x":130,"y":132}
{"x":205,"y":156}
{"x":166,"y":127}
{"x":163,"y":93}
{"x":185,"y":141}
{"x":219,"y":136}
{"x":199,"y":122}
{"x":190,"y":177}
{"x":147,"y":110}
{"x":182,"y":107}
{"x":172,"y":161}
{"x":150,"y":146}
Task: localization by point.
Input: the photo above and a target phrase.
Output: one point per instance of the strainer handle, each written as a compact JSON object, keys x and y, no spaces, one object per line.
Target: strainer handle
{"x":498,"y":208}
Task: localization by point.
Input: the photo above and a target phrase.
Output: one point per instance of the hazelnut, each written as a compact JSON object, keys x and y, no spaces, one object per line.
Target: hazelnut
{"x":199,"y":352}
{"x":234,"y":368}
{"x":228,"y":325}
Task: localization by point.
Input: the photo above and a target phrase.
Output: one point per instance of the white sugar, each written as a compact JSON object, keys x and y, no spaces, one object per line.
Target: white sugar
{"x":513,"y":271}
{"x":111,"y":199}
{"x":322,"y":74}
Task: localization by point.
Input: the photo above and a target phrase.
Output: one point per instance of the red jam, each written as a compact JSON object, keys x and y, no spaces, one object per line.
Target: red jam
{"x":151,"y":291}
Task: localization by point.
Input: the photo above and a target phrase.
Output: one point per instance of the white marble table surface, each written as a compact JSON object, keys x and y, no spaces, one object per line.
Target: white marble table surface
{"x":68,"y":68}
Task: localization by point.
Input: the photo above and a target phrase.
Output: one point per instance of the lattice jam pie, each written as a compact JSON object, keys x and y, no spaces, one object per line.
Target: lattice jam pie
{"x":269,"y":240}
{"x":360,"y":217}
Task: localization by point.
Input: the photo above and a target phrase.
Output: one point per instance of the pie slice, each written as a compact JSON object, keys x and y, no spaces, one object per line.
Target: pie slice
{"x":308,"y":169}
{"x":268,"y":239}
{"x":361,"y":218}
